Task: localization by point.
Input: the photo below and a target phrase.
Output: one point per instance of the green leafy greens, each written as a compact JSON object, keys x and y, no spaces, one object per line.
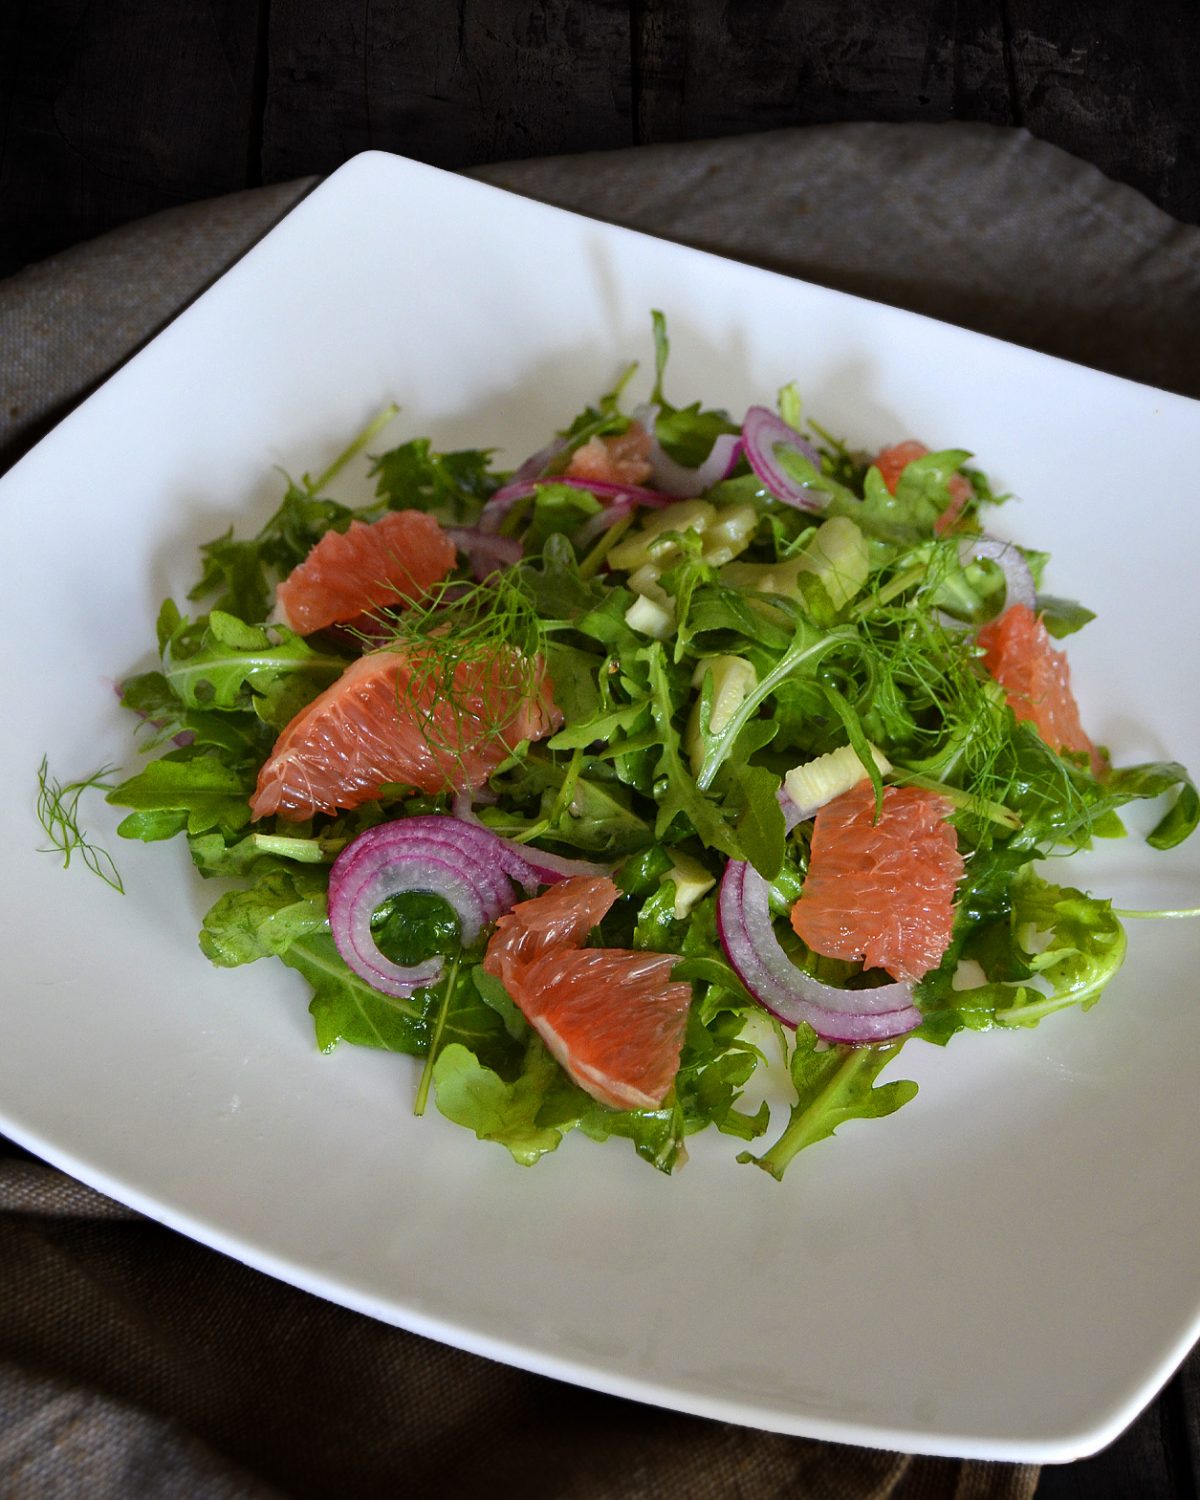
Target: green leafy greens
{"x":697,"y":655}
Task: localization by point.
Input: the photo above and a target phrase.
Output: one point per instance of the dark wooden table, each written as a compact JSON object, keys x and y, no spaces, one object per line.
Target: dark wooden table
{"x":110,"y":111}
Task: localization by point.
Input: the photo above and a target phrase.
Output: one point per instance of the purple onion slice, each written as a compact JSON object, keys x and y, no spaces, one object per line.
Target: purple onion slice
{"x":469,"y":866}
{"x":762,"y":433}
{"x":486,"y":552}
{"x":503,"y":500}
{"x":674,"y":478}
{"x":747,"y":933}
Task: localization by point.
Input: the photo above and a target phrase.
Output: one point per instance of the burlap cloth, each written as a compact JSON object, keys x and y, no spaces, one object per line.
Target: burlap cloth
{"x":136,"y":1363}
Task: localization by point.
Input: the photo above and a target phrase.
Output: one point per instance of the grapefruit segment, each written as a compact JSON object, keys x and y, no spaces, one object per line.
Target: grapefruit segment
{"x":614,"y":460}
{"x":1036,"y":679}
{"x":387,"y":720}
{"x":882,"y":892}
{"x":892,"y":462}
{"x":395,"y":560}
{"x":610,"y":1016}
{"x":561,"y":917}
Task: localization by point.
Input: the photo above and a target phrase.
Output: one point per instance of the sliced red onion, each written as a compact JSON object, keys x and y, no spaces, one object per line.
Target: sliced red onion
{"x":452,"y":859}
{"x":503,"y":501}
{"x":536,"y":464}
{"x":683,"y":483}
{"x":527,"y":866}
{"x":486,"y":552}
{"x":1019,"y":587}
{"x":762,"y":432}
{"x":543,"y":867}
{"x":469,"y":866}
{"x":747,"y":935}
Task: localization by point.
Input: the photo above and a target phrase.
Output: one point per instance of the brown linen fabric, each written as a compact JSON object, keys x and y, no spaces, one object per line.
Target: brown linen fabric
{"x":978,"y":225}
{"x":134,"y":1362}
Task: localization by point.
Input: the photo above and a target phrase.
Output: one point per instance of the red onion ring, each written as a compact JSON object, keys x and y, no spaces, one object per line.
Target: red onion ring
{"x":533,"y":467}
{"x":1019,"y":587}
{"x":747,"y":934}
{"x":486,"y":552}
{"x":762,"y":433}
{"x":683,"y":483}
{"x":469,"y":866}
{"x":503,"y":501}
{"x":527,"y":866}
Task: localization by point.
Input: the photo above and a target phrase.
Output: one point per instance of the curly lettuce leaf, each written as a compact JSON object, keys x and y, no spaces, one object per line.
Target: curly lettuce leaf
{"x":509,"y":1113}
{"x":1043,"y":947}
{"x":833,"y":1085}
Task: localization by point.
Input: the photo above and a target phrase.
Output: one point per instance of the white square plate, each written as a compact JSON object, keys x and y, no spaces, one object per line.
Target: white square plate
{"x":1009,"y":1268}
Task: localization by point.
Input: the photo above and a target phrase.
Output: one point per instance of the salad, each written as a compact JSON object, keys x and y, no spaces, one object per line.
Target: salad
{"x":696,"y":746}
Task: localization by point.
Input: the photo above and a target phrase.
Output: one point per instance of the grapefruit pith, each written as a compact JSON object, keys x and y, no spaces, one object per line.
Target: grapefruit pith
{"x":892,"y":462}
{"x":389,"y":719}
{"x":610,"y":1016}
{"x":1036,"y":679}
{"x":882,"y":892}
{"x":395,"y":560}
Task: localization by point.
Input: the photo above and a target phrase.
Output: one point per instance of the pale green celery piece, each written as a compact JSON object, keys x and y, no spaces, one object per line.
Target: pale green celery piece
{"x":639,"y":548}
{"x":820,"y":780}
{"x":691,"y":881}
{"x":837,"y":554}
{"x":732,"y":677}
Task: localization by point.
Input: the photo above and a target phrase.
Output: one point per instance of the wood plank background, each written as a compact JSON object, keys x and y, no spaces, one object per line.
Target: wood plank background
{"x":112,"y":110}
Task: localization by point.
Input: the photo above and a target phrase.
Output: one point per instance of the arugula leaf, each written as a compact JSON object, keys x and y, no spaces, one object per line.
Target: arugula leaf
{"x":687,"y":433}
{"x":832,"y":1086}
{"x":751,"y":794}
{"x":922,"y":494}
{"x":657,"y":1134}
{"x":234,"y":665}
{"x":682,"y":794}
{"x":1062,"y":617}
{"x":186,"y":789}
{"x":212,"y":854}
{"x":557,"y":508}
{"x":1068,"y":944}
{"x":283,"y":906}
{"x":415,"y":925}
{"x":453,"y":486}
{"x":1152,"y":779}
{"x":345,"y":1008}
{"x":508,"y":1113}
{"x":151,"y":697}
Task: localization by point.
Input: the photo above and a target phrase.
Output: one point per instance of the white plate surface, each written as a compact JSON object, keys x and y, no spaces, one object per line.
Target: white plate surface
{"x":1009,"y":1268}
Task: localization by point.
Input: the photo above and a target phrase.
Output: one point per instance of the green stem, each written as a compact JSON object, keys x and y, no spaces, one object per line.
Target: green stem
{"x":806,"y":1125}
{"x":1178,"y":911}
{"x":899,"y":585}
{"x":719,"y":750}
{"x":436,"y":1040}
{"x":303,"y":851}
{"x":315,"y":486}
{"x":567,"y":791}
{"x":980,"y":806}
{"x":604,"y":545}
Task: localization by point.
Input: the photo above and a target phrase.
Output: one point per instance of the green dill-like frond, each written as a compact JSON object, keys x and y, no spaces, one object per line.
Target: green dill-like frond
{"x":473,"y":652}
{"x":58,"y":813}
{"x":929,"y":700}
